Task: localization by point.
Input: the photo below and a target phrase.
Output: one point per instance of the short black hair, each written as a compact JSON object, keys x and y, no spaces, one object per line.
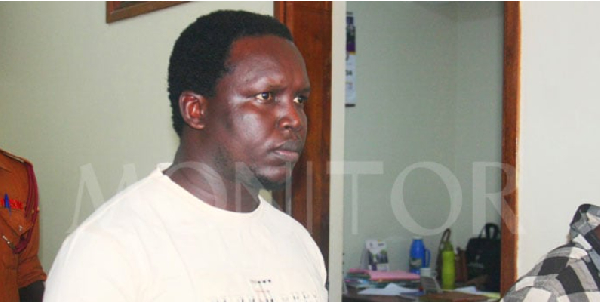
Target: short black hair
{"x":199,"y":55}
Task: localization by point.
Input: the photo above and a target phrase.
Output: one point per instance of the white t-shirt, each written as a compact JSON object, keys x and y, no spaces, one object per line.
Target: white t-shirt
{"x":157,"y":242}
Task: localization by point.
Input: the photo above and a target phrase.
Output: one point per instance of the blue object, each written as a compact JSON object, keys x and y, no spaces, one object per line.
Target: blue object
{"x":7,"y":203}
{"x":419,"y":256}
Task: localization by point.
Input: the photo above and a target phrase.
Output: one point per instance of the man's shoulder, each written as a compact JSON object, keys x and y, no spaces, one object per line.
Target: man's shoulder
{"x":284,"y":224}
{"x":561,"y":261}
{"x":282,"y":217}
{"x":566,"y":271}
{"x":122,"y":209}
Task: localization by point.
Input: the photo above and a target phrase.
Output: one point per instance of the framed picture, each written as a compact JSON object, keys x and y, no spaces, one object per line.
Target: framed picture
{"x":119,"y":10}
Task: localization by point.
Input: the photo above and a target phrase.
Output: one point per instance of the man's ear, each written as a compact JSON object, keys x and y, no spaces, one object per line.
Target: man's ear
{"x":193,"y":109}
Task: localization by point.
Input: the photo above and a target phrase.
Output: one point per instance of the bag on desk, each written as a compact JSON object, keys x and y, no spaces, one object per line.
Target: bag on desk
{"x":483,"y":257}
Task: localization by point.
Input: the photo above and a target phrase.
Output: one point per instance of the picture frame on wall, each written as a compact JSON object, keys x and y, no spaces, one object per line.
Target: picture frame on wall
{"x":119,"y":10}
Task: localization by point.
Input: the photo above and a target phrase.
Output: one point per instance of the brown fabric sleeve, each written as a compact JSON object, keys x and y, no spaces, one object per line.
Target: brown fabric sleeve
{"x":30,"y":268}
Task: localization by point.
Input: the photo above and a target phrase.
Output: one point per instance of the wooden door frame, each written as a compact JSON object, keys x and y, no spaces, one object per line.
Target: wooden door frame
{"x":510,"y":144}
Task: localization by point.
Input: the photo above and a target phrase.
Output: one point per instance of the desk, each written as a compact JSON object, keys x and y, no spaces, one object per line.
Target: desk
{"x":352,"y":296}
{"x":362,"y":298}
{"x":454,"y":296}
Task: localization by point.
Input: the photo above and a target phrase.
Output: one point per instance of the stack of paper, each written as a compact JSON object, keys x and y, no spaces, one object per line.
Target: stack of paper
{"x":391,"y":289}
{"x":382,"y":276}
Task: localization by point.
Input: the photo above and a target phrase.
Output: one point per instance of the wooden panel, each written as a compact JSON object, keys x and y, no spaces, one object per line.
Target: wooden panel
{"x":510,"y":143}
{"x":310,"y":24}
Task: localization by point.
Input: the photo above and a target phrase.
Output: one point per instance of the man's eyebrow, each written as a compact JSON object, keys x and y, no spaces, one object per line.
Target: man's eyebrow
{"x":305,"y":90}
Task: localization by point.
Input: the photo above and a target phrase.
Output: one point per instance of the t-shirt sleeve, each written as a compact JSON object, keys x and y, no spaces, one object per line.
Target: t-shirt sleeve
{"x":91,"y":266}
{"x":318,"y":258}
{"x":315,"y":253}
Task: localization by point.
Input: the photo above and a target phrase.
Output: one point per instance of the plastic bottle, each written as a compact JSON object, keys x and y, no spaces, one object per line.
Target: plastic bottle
{"x":448,"y":266}
{"x":418,"y":257}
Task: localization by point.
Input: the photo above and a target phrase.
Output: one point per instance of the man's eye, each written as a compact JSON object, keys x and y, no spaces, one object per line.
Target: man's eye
{"x":265,"y":96}
{"x":301,"y":99}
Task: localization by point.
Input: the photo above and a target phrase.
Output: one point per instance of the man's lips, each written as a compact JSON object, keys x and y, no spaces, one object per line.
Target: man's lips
{"x":289,"y":151}
{"x":288,"y":156}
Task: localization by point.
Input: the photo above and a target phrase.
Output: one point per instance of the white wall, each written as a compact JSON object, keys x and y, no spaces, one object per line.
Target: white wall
{"x":429,"y":79}
{"x":560,"y":125}
{"x":77,"y":93}
{"x":478,"y":120}
{"x":86,"y":102}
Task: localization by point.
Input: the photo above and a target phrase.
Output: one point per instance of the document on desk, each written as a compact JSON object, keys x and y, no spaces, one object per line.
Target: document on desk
{"x":391,"y":289}
{"x":385,"y":275}
{"x":473,"y":290}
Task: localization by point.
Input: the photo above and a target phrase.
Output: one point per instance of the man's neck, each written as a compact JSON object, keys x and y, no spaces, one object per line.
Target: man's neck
{"x":206,"y":184}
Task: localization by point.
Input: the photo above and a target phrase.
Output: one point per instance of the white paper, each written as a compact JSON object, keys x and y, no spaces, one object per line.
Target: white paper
{"x":391,"y":289}
{"x":351,"y":79}
{"x":473,"y":290}
{"x":467,"y":289}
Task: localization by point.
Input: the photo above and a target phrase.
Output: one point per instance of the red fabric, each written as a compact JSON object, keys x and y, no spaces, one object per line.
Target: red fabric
{"x":31,"y":208}
{"x":19,"y":262}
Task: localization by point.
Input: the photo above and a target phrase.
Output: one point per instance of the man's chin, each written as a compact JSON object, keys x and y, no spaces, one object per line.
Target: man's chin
{"x":272,"y":185}
{"x":275,"y":179}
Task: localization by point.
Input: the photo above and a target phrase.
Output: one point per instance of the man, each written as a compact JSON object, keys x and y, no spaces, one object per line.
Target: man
{"x":21,"y":274}
{"x":570,"y":272}
{"x":196,"y":230}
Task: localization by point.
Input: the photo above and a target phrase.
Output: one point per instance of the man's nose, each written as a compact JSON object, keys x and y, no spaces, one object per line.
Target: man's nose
{"x":293,"y":116}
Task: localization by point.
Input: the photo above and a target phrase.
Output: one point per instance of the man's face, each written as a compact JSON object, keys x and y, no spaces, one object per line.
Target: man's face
{"x":257,"y":115}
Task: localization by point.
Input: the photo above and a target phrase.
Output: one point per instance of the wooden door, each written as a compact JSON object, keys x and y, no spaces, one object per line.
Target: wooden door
{"x":307,"y":200}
